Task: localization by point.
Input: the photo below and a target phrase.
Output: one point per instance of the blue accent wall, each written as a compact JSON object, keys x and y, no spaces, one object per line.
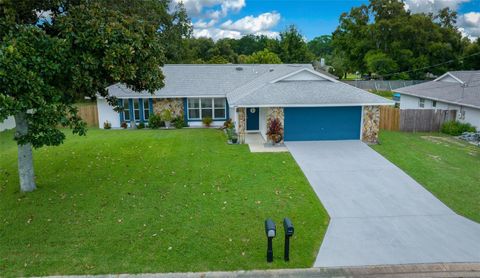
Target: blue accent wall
{"x":322,"y":123}
{"x":150,"y":103}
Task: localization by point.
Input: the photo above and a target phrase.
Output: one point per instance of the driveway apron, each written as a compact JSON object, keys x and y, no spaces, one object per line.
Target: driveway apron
{"x":379,"y":214}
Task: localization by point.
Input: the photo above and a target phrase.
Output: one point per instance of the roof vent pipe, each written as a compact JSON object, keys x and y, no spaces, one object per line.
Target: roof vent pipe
{"x":239,"y":68}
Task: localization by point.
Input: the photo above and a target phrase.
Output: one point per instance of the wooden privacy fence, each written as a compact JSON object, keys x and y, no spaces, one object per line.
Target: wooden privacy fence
{"x":414,"y":120}
{"x":88,"y":112}
{"x":389,"y":118}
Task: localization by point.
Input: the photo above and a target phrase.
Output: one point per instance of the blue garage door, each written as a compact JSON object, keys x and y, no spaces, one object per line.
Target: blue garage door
{"x":322,"y":123}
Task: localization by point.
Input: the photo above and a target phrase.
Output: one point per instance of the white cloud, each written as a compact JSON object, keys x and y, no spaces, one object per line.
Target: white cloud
{"x":217,"y":8}
{"x":216,"y":33}
{"x":432,"y":6}
{"x":201,"y":24}
{"x":469,"y":24}
{"x":251,"y":24}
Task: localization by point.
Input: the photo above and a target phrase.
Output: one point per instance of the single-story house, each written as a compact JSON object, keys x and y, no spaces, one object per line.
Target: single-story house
{"x":310,"y":105}
{"x":455,"y":90}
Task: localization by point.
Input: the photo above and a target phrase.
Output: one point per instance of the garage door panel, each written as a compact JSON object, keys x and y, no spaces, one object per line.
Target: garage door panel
{"x":322,"y":123}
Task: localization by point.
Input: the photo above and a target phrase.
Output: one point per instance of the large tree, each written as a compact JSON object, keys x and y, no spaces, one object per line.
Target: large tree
{"x":292,"y":47}
{"x":399,"y":44}
{"x":82,"y":48}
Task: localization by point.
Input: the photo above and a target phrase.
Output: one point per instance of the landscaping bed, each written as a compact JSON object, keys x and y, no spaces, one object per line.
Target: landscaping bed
{"x":146,"y":201}
{"x":446,"y":166}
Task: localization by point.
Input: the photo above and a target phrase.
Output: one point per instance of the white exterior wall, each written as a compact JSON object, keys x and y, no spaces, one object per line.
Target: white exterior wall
{"x":262,"y":121}
{"x":106,"y":113}
{"x":472,"y":115}
{"x":200,"y":123}
{"x":9,"y":123}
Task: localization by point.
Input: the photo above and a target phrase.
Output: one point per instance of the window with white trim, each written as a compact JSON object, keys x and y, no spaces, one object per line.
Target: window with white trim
{"x":421,"y":102}
{"x":136,"y":109}
{"x":146,"y":109}
{"x":199,"y":108}
{"x":126,"y":110}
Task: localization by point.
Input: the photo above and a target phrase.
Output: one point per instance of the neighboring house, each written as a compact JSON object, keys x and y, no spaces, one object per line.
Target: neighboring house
{"x":455,"y":90}
{"x":9,"y":123}
{"x":310,"y":105}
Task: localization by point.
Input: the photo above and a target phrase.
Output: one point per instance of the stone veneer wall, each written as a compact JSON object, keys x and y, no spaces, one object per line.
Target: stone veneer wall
{"x":371,"y":124}
{"x":242,"y":124}
{"x":174,"y":104}
{"x":276,"y":112}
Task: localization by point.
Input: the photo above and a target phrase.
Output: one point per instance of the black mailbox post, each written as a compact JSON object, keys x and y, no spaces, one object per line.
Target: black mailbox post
{"x":270,"y":231}
{"x":288,"y":226}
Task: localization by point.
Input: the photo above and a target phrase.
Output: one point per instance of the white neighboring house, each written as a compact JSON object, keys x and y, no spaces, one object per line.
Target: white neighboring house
{"x":455,"y":90}
{"x":9,"y":123}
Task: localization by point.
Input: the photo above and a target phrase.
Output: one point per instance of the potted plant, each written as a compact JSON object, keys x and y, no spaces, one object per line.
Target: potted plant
{"x":107,"y":125}
{"x":167,"y":117}
{"x":124,"y":125}
{"x":275,"y":131}
{"x":207,"y":121}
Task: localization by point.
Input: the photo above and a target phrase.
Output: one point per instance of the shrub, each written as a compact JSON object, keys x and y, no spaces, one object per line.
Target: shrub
{"x":155,"y":121}
{"x":124,"y":125}
{"x":228,"y":124}
{"x":178,"y":122}
{"x":141,"y":125}
{"x":456,"y":128}
{"x":207,"y":121}
{"x":166,"y":115}
{"x":107,"y":125}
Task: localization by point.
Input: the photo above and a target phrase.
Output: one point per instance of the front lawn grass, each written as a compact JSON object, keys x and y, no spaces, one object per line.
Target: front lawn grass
{"x":146,"y":201}
{"x":446,"y":166}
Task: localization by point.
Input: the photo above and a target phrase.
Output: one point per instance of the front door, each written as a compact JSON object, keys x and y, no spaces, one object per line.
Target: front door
{"x":252,"y":118}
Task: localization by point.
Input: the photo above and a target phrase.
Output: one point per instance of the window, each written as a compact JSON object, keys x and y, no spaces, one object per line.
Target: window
{"x":434,"y":103}
{"x":421,"y":103}
{"x":126,"y":110}
{"x":219,"y":105}
{"x":194,"y":108}
{"x":136,"y":109}
{"x":146,"y":109}
{"x":199,"y":108}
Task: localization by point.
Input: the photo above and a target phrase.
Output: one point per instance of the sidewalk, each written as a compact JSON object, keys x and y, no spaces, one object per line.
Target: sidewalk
{"x":393,"y":271}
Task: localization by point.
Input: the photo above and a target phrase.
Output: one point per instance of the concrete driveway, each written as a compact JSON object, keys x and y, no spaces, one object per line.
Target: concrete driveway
{"x":380,"y":215}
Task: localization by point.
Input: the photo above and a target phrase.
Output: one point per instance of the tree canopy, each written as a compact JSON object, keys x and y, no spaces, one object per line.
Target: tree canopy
{"x":386,"y":39}
{"x":80,"y":50}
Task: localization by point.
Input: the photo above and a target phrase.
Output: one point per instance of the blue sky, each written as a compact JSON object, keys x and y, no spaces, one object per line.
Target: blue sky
{"x":234,"y":18}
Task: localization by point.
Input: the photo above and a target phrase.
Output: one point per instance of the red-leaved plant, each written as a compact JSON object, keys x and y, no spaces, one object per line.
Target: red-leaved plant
{"x":275,"y":131}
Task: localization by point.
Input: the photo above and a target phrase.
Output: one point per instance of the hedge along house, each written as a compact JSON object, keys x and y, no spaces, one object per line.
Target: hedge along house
{"x":310,"y":105}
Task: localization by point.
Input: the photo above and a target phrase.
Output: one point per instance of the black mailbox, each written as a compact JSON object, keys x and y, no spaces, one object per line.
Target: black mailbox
{"x":270,"y":228}
{"x":288,"y":226}
{"x":270,"y":231}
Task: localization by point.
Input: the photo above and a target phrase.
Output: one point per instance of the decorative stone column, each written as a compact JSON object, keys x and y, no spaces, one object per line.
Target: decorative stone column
{"x":242,"y":124}
{"x":371,"y":124}
{"x":175,"y":105}
{"x":276,"y":113}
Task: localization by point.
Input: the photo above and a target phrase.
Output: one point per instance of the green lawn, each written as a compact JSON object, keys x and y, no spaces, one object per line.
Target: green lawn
{"x":447,"y":167}
{"x":137,"y":201}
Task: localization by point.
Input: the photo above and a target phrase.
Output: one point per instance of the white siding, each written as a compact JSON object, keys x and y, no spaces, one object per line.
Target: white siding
{"x":9,"y":123}
{"x":472,"y":115}
{"x":262,"y":121}
{"x":200,"y":124}
{"x":106,"y":113}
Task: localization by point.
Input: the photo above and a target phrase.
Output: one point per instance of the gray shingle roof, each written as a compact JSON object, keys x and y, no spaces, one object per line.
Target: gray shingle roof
{"x":467,"y":94}
{"x":309,"y":93}
{"x":249,"y":85}
{"x":203,"y":80}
